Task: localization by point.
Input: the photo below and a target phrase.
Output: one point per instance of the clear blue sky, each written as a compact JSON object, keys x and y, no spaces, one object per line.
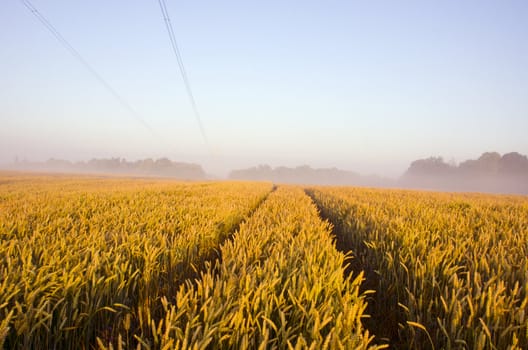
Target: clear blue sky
{"x":362,"y":85}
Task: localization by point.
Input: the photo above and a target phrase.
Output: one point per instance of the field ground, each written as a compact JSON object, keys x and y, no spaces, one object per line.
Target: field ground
{"x":106,"y":262}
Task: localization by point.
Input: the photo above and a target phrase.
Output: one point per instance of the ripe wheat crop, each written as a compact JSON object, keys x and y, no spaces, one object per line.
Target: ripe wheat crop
{"x":280,"y":285}
{"x":112,"y":263}
{"x":450,"y":270}
{"x":82,"y":258}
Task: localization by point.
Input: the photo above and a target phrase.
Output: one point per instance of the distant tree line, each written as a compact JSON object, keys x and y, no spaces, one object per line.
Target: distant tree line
{"x":152,"y":167}
{"x":489,"y":163}
{"x":305,"y":175}
{"x":491,"y":172}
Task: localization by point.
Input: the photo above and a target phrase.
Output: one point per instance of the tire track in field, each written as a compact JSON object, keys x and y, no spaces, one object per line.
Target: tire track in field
{"x":214,"y":256}
{"x":200,"y":264}
{"x":279,"y":283}
{"x":384,"y":314}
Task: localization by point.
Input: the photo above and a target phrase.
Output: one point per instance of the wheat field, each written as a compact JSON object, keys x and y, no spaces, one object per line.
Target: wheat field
{"x":118,"y":263}
{"x":450,"y":270}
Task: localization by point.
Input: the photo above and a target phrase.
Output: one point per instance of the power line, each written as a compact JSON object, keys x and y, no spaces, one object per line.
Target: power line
{"x":85,"y":63}
{"x":183,"y":72}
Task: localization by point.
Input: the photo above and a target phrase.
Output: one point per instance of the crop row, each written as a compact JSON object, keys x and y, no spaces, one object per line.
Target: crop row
{"x":280,"y":283}
{"x":85,"y":258}
{"x":449,"y":270}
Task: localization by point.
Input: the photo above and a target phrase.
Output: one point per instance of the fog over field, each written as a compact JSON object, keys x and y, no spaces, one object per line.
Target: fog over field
{"x":338,"y":92}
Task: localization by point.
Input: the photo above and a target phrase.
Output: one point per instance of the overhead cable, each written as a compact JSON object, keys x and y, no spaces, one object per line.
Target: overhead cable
{"x":133,"y":113}
{"x":183,"y":72}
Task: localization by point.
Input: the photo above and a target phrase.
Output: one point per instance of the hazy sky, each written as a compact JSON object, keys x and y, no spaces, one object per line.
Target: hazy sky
{"x":362,"y":85}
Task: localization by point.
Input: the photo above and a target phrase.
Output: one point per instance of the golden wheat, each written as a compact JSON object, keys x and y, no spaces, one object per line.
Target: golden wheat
{"x":82,"y":258}
{"x":451,"y":269}
{"x":280,"y":285}
{"x":108,"y":263}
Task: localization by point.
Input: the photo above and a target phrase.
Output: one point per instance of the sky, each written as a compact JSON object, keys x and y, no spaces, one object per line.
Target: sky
{"x":367,"y":86}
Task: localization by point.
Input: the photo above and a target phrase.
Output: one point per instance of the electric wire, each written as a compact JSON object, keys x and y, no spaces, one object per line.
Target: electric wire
{"x":85,"y":63}
{"x":186,"y":82}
